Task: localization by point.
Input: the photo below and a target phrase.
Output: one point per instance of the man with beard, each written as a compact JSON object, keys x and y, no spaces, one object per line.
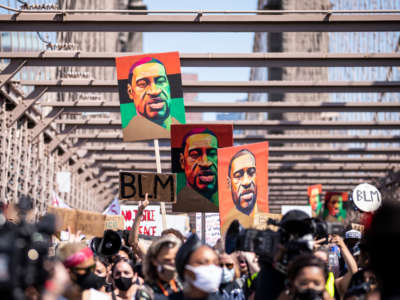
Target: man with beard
{"x":242,"y":181}
{"x":148,"y":87}
{"x":198,"y":160}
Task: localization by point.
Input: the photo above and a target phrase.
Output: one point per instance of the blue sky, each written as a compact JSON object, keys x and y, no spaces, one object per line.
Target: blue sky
{"x":204,"y":42}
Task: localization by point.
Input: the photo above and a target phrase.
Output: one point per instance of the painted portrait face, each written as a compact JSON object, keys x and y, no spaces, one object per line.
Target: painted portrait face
{"x":150,"y":91}
{"x":243,"y":182}
{"x":199,"y":162}
{"x":334,"y":205}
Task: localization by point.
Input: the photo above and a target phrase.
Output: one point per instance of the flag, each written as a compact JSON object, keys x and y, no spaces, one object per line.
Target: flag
{"x":58,"y":202}
{"x":113,"y":208}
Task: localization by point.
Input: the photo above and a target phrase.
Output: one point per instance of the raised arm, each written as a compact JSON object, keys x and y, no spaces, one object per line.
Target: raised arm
{"x":134,"y":233}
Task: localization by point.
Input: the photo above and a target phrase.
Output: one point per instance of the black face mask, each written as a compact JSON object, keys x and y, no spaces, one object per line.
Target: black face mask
{"x":87,"y":281}
{"x":309,"y":294}
{"x":123,"y":283}
{"x":100,"y":281}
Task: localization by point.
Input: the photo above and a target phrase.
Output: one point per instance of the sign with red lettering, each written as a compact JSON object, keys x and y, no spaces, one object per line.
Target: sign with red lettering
{"x":151,"y":223}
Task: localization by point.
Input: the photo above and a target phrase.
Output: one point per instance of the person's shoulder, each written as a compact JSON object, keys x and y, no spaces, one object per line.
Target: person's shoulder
{"x":175,"y":296}
{"x":215,"y":296}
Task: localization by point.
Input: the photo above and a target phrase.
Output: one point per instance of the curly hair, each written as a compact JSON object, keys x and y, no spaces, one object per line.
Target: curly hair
{"x":303,"y":261}
{"x":149,"y":270}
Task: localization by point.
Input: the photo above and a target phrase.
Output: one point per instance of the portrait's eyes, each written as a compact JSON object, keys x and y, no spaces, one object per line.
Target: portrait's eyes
{"x":251,"y":171}
{"x":195,"y":154}
{"x":142,"y":83}
{"x":161,"y":80}
{"x":212,"y":152}
{"x":238,"y":174}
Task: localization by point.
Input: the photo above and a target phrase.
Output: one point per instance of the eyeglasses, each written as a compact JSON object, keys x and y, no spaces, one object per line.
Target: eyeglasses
{"x":229,"y":266}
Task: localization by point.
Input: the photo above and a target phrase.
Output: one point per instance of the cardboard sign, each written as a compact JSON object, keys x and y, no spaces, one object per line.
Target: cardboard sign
{"x":358,"y":227}
{"x":150,"y":95}
{"x":66,"y":217}
{"x":213,"y":229}
{"x":194,"y":159}
{"x":90,"y":223}
{"x":304,"y":208}
{"x":114,"y":222}
{"x":261,"y":221}
{"x":151,"y":223}
{"x":160,"y":187}
{"x":366,"y":197}
{"x":242,"y":183}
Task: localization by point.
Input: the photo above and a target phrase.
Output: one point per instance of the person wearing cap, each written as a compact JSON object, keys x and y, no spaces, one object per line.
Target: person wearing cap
{"x":159,"y":268}
{"x":78,"y":259}
{"x":351,"y":238}
{"x":198,"y":267}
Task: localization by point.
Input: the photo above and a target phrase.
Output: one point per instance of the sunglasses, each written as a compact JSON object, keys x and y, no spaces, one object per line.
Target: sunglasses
{"x":229,"y":266}
{"x":82,"y":271}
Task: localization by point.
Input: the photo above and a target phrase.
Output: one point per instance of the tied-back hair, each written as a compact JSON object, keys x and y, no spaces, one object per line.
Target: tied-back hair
{"x":149,"y":270}
{"x":123,"y":259}
{"x":303,"y":261}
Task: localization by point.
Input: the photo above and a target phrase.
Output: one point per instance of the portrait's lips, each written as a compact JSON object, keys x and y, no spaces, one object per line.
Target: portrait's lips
{"x":247,"y":195}
{"x":156,"y":104}
{"x":207,"y":177}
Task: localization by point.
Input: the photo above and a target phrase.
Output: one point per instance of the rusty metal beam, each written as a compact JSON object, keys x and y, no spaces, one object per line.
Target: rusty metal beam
{"x":107,"y":86}
{"x":255,"y":125}
{"x":25,"y":104}
{"x":44,"y":123}
{"x":102,"y":137}
{"x":121,"y":158}
{"x":93,"y":59}
{"x":13,"y":67}
{"x":105,"y":106}
{"x":131,"y":148}
{"x":78,"y":22}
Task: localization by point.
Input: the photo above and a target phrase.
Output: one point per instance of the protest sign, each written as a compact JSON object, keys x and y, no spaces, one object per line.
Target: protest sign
{"x":305,"y":208}
{"x":261,"y":221}
{"x":242,"y":183}
{"x":151,"y":223}
{"x":114,"y":222}
{"x":212,"y":228}
{"x":179,"y":222}
{"x":66,"y":217}
{"x":63,"y":180}
{"x":159,"y":187}
{"x":150,"y":95}
{"x":366,"y":197}
{"x":314,"y":195}
{"x":90,"y":223}
{"x":194,"y":159}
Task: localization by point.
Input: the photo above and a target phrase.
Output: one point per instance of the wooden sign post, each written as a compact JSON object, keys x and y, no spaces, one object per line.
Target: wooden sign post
{"x":158,"y":163}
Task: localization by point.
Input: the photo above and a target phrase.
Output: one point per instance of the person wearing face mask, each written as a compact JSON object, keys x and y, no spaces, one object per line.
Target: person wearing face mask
{"x":79,"y":262}
{"x":159,"y":268}
{"x":231,"y":286}
{"x":307,"y":276}
{"x":126,"y":281}
{"x":101,"y":273}
{"x":198,"y":267}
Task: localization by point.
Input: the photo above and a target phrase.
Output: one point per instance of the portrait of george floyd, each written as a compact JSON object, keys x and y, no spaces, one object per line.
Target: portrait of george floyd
{"x":194,"y":159}
{"x":334,"y":208}
{"x":150,"y":95}
{"x":242,"y":183}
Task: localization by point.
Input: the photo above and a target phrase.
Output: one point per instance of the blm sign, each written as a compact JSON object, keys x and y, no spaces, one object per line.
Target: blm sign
{"x":133,"y":186}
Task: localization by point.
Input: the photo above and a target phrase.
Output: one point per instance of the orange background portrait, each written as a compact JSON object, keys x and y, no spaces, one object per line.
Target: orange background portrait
{"x":226,"y":205}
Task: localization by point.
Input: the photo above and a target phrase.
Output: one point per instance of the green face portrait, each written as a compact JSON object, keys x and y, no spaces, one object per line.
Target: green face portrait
{"x":149,"y":89}
{"x":199,"y":162}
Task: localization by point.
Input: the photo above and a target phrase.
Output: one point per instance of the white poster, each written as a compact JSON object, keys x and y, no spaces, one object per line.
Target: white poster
{"x":305,"y":208}
{"x":213,"y":231}
{"x":63,"y":182}
{"x":151,"y":223}
{"x":179,"y":222}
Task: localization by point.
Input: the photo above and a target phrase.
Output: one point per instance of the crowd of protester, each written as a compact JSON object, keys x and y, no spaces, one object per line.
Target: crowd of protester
{"x":357,"y":265}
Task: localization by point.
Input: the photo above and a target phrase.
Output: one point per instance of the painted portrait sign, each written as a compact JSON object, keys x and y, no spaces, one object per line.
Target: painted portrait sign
{"x":314,"y":196}
{"x":150,"y":95}
{"x":194,"y":159}
{"x":242,"y":183}
{"x":333,"y":206}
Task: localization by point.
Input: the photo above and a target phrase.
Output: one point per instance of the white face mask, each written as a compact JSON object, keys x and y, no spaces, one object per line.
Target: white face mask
{"x":208,"y":277}
{"x":227,"y":275}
